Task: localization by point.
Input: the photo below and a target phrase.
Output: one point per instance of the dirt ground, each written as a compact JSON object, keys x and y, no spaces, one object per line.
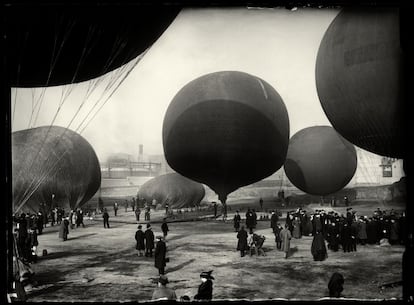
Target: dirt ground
{"x":99,"y":265}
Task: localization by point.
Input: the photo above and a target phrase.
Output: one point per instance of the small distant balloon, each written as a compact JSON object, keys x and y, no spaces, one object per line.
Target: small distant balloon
{"x":174,"y":189}
{"x":320,"y":161}
{"x":226,"y":129}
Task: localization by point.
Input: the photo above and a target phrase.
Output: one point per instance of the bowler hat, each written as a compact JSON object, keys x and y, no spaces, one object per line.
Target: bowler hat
{"x":207,"y":275}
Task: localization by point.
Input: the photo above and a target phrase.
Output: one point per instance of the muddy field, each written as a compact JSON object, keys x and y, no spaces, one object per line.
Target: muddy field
{"x":97,"y":264}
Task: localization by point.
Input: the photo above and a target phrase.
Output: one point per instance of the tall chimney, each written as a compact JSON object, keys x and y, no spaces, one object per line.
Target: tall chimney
{"x":141,"y":153}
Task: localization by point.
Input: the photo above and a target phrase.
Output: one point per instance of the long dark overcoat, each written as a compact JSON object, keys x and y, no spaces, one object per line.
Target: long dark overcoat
{"x":242,"y":243}
{"x":159,"y":254}
{"x":140,"y":238}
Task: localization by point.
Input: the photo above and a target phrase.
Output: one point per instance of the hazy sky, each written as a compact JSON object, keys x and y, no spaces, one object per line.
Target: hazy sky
{"x":277,"y":45}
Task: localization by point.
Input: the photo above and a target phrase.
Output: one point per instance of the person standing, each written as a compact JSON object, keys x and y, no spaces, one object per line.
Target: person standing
{"x":115,"y":208}
{"x":318,"y":248}
{"x":249,"y":220}
{"x":242,"y":242}
{"x":164,"y":228}
{"x":126,"y":205}
{"x":273,"y":221}
{"x":140,"y":238}
{"x":149,"y":241}
{"x":39,"y":221}
{"x":64,"y":229}
{"x":236,"y":221}
{"x":137,"y":213}
{"x":278,"y":238}
{"x":160,"y":255}
{"x":105,"y":217}
{"x":162,"y":292}
{"x":286,"y":236}
{"x":205,"y":290}
{"x":296,"y":228}
{"x":261,"y":204}
{"x":215,"y":209}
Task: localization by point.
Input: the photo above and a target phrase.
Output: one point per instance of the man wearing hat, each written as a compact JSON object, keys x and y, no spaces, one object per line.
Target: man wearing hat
{"x":149,"y":241}
{"x":159,"y":255}
{"x":162,"y":292}
{"x":140,"y":238}
{"x":236,"y":221}
{"x":205,"y":290}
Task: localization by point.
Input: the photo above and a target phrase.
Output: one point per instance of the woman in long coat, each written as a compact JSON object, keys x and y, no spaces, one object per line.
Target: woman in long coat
{"x":242,"y":243}
{"x":140,"y":238}
{"x":149,"y":241}
{"x":64,"y":229}
{"x":318,"y":248}
{"x":159,"y":254}
{"x":286,"y":237}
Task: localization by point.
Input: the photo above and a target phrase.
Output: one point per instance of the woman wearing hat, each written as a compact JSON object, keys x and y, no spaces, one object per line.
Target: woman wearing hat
{"x":162,"y":292}
{"x":205,"y":290}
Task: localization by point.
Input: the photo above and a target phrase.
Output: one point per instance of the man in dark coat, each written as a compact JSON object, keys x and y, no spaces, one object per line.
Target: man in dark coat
{"x":318,"y":248}
{"x":278,"y":239}
{"x":205,"y":290}
{"x":346,"y":237}
{"x":236,"y":221}
{"x":159,"y":255}
{"x":273,"y":221}
{"x":137,"y":213}
{"x":333,"y":237}
{"x":249,"y":220}
{"x":105,"y":217}
{"x":164,"y":228}
{"x":39,"y":222}
{"x":149,"y":241}
{"x":371,"y":231}
{"x":140,"y":238}
{"x":242,"y":243}
{"x":64,"y":229}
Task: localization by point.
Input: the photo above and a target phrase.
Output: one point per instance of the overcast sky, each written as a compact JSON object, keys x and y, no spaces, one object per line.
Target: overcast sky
{"x":277,"y":45}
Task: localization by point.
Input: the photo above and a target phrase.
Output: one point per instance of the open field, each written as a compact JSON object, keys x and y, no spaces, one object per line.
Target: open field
{"x":98,"y":264}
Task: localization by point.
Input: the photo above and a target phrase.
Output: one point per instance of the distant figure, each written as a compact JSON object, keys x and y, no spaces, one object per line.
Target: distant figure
{"x":115,"y":208}
{"x":224,"y":209}
{"x":140,"y":238}
{"x":215,"y":209}
{"x":40,"y":220}
{"x":105,"y":217}
{"x":160,"y":255}
{"x":273,"y":221}
{"x":164,"y":228}
{"x":205,"y":290}
{"x":286,"y":236}
{"x":242,"y":243}
{"x":346,"y":200}
{"x":166,"y":208}
{"x":236,"y":221}
{"x":133,"y":204}
{"x":162,"y":292}
{"x":261,"y":203}
{"x":249,"y":220}
{"x":278,"y":238}
{"x":335,"y":285}
{"x":318,"y":248}
{"x":296,"y":227}
{"x":126,"y":205}
{"x":137,"y":213}
{"x":64,"y":229}
{"x":149,"y":241}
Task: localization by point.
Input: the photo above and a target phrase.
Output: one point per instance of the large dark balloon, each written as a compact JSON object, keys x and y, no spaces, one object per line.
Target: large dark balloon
{"x":359,"y":78}
{"x":178,"y":191}
{"x":320,"y":161}
{"x":57,"y":160}
{"x":226,"y":130}
{"x":77,"y":43}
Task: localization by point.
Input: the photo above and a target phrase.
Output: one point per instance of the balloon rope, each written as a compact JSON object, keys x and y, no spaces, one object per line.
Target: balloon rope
{"x":40,"y":181}
{"x":106,"y":100}
{"x":14,"y":105}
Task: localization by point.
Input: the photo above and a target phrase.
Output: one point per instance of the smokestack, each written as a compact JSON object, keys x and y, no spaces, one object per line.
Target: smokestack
{"x":141,"y":152}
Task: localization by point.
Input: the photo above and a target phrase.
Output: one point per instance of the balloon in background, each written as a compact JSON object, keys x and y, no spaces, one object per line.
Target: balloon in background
{"x":320,"y":161}
{"x":226,"y":129}
{"x":359,"y":78}
{"x":174,"y":189}
{"x":52,"y":166}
